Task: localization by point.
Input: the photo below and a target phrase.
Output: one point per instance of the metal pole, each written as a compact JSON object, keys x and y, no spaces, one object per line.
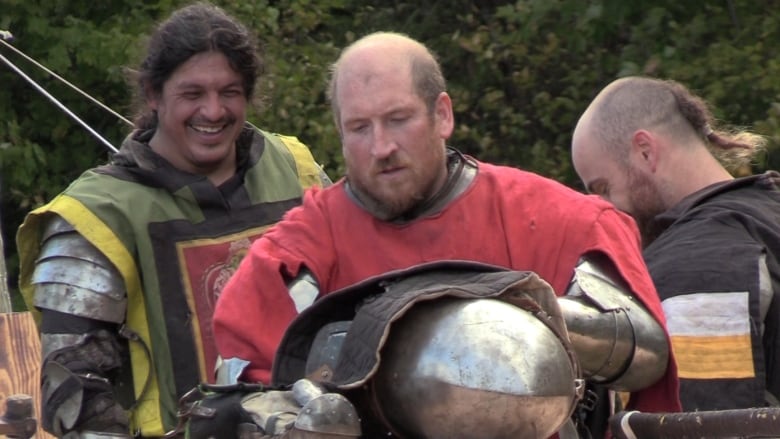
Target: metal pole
{"x":5,"y":295}
{"x":58,"y":103}
{"x":5,"y":35}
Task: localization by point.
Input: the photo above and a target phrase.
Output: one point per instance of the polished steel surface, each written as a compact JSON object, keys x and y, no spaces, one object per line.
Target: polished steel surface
{"x":617,"y":341}
{"x":73,"y":277}
{"x":328,"y":414}
{"x":474,"y":368}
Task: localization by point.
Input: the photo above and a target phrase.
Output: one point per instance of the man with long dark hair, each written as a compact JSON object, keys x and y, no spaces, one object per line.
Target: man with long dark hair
{"x":126,"y":264}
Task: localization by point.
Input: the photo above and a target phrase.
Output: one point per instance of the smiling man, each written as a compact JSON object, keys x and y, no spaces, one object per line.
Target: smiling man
{"x":126,"y":264}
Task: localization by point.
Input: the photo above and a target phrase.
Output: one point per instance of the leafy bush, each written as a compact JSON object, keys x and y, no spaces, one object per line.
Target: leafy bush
{"x":520,"y":73}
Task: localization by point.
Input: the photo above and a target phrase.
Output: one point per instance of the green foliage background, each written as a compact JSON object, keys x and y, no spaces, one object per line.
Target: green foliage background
{"x":520,"y":73}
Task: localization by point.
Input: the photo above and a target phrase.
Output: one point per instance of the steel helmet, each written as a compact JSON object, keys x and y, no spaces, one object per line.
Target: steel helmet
{"x":456,"y":368}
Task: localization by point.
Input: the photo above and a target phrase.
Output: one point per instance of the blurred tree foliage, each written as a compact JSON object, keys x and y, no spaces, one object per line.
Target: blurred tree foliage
{"x":520,"y":73}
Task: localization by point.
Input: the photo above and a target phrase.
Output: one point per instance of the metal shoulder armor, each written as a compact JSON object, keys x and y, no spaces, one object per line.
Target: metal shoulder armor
{"x":72,"y":276}
{"x":617,"y":341}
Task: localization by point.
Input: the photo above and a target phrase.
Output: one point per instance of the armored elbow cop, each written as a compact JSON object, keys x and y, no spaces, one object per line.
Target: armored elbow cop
{"x":617,"y":341}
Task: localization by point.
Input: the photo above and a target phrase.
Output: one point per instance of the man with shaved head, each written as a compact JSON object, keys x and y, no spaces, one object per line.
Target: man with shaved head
{"x":412,"y":209}
{"x":711,"y":241}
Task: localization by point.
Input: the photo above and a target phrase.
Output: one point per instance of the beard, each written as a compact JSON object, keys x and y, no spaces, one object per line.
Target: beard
{"x":646,"y":205}
{"x":385,"y":205}
{"x":388,"y":200}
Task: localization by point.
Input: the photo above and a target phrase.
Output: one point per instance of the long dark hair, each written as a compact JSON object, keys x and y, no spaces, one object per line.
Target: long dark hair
{"x":200,"y":27}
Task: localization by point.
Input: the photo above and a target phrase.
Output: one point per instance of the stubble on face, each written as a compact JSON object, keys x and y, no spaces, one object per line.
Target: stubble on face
{"x":646,"y":205}
{"x":389,"y":198}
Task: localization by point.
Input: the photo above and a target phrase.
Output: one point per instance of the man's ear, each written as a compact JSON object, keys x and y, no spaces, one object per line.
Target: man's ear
{"x":444,"y":115}
{"x":152,"y":98}
{"x":644,"y":147}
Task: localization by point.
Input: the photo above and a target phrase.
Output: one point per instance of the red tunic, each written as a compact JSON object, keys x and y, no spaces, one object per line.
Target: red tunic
{"x":507,"y":217}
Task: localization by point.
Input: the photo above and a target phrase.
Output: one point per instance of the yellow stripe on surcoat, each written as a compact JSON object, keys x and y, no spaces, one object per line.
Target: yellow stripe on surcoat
{"x":703,"y":357}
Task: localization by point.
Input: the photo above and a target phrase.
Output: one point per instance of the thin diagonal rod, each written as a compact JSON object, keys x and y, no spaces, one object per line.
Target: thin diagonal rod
{"x":58,"y":103}
{"x":83,"y":93}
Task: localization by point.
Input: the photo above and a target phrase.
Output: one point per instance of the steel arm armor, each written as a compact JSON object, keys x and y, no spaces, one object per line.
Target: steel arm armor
{"x":618,"y":342}
{"x":83,"y":301}
{"x":73,"y":277}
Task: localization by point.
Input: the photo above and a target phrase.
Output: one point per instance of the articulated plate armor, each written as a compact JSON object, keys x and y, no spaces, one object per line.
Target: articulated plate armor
{"x":617,"y":341}
{"x":460,"y":350}
{"x":469,"y":350}
{"x":73,"y":278}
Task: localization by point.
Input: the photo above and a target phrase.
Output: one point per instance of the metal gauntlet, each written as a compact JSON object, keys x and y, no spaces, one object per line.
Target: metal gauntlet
{"x":617,"y":341}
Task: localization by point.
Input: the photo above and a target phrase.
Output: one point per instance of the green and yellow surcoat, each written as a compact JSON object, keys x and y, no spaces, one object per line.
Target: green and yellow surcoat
{"x":175,"y":238}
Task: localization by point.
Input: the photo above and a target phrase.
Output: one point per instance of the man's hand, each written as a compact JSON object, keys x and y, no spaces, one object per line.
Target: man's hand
{"x":236,"y":411}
